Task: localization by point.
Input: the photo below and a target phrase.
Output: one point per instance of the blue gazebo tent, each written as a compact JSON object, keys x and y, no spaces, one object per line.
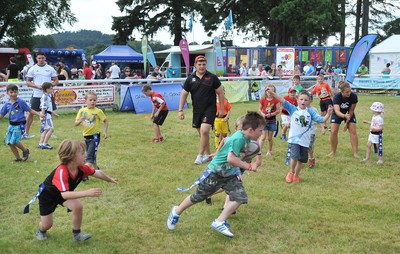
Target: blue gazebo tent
{"x":119,"y":54}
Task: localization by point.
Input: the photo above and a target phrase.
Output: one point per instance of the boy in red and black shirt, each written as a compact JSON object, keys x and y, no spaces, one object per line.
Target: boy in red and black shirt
{"x":159,"y":112}
{"x":325,"y":94}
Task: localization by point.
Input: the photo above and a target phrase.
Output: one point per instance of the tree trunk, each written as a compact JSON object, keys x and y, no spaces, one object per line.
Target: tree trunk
{"x":343,"y":16}
{"x":358,"y":18}
{"x":365,"y":18}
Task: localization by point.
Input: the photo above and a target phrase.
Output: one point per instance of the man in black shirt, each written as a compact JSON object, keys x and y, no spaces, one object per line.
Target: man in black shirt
{"x":203,"y":87}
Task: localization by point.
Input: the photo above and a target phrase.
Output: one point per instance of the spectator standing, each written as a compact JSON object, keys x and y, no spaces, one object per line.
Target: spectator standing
{"x":87,"y":72}
{"x":243,"y":70}
{"x":115,"y":70}
{"x":13,"y":71}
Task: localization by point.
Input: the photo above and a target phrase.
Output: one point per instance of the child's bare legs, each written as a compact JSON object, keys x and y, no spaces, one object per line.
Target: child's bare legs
{"x":284,"y":129}
{"x":14,"y":149}
{"x":368,"y":153}
{"x":46,"y":222}
{"x":270,"y":140}
{"x":157,"y":131}
{"x":229,"y":208}
{"x":323,"y":125}
{"x":186,"y":203}
{"x":46,"y":135}
{"x":261,"y":140}
{"x":297,"y":168}
{"x":77,"y":209}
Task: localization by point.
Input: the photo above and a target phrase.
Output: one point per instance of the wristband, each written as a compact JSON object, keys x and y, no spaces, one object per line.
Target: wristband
{"x":250,"y":168}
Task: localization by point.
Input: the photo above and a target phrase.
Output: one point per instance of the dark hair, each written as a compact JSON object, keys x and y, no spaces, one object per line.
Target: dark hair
{"x":40,"y":53}
{"x":146,"y":88}
{"x":387,"y":65}
{"x":13,"y":59}
{"x":296,"y":77}
{"x":46,"y":85}
{"x":252,"y":120}
{"x":12,"y":87}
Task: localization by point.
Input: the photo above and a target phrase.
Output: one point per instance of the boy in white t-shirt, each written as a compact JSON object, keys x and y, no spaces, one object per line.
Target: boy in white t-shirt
{"x":301,"y":119}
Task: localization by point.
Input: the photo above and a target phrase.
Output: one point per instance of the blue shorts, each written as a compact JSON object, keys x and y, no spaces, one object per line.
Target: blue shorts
{"x":270,"y":126}
{"x":299,"y":153}
{"x":92,"y":144}
{"x":14,"y":134}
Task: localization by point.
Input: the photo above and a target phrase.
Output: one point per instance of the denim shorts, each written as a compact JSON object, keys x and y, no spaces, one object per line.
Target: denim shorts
{"x":270,"y":126}
{"x":299,"y":153}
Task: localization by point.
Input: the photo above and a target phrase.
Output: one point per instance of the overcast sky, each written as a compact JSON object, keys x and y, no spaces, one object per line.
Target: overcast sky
{"x":97,"y":15}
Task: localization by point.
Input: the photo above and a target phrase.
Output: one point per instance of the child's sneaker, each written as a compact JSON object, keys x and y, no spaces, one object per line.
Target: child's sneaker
{"x":296,"y":179}
{"x":221,"y":227}
{"x":27,"y":136}
{"x":173,"y":219}
{"x":25,"y":154}
{"x":199,"y":159}
{"x":379,"y":162}
{"x":208,"y":201}
{"x":41,"y":235}
{"x":47,"y":146}
{"x":311,"y":163}
{"x":289,"y":177}
{"x":82,"y":237}
{"x":269,"y":153}
{"x":205,"y":158}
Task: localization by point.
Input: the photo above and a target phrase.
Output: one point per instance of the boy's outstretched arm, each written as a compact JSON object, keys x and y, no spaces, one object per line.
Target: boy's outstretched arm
{"x":95,"y":192}
{"x":277,"y":96}
{"x":101,"y":175}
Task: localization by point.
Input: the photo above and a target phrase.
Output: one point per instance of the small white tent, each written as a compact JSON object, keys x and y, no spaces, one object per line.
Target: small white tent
{"x":388,"y":51}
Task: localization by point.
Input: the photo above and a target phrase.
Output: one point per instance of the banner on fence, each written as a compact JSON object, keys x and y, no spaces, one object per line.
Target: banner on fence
{"x":135,"y":100}
{"x":236,"y":91}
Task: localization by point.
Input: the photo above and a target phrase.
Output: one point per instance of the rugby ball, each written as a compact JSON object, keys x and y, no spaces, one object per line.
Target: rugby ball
{"x":251,"y":150}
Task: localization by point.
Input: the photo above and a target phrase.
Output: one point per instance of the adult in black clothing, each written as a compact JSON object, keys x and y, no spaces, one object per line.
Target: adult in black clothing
{"x":344,"y":105}
{"x":13,"y":71}
{"x":203,"y":87}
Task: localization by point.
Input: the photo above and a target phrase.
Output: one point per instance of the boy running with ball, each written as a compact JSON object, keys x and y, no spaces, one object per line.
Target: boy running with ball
{"x":224,"y":172}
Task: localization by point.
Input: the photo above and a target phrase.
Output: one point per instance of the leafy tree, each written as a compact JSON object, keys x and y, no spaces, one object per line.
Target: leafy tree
{"x":149,"y":16}
{"x":19,"y":19}
{"x":44,"y":41}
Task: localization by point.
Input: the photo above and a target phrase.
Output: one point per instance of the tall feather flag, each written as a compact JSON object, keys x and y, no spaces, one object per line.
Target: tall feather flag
{"x":144,"y":52}
{"x":229,"y":21}
{"x":184,"y":46}
{"x":219,"y":60}
{"x":151,"y":57}
{"x":191,"y":23}
{"x":357,"y":55}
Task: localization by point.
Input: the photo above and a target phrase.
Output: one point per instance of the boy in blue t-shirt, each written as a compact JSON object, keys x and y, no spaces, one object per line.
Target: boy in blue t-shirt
{"x":301,"y":118}
{"x":16,"y":109}
{"x":224,"y":172}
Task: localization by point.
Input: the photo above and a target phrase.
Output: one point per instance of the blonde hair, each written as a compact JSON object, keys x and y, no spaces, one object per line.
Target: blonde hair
{"x":343,"y":85}
{"x":265,"y":92}
{"x":239,"y":122}
{"x":68,"y":150}
{"x":90,"y":92}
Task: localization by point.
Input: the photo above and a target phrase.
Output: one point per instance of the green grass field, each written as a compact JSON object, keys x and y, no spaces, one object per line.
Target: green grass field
{"x":340,"y":206}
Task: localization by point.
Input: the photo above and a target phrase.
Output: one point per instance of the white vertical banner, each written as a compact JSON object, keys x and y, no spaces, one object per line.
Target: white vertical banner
{"x":285,"y":57}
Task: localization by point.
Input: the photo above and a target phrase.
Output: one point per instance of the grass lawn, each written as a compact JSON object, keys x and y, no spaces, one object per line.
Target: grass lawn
{"x":340,"y":206}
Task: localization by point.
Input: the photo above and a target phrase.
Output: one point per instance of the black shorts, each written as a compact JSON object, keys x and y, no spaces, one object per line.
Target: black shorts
{"x":324,"y":105}
{"x":35,"y":104}
{"x":338,"y":120}
{"x":299,"y":153}
{"x":200,"y":118}
{"x":159,"y":120}
{"x":48,"y":204}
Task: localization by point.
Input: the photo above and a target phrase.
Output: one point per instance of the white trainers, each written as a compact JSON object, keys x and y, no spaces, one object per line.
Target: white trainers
{"x":206,"y":158}
{"x":379,"y":162}
{"x":173,"y":219}
{"x":41,"y":235}
{"x":199,"y":159}
{"x":222,"y":228}
{"x":27,"y":136}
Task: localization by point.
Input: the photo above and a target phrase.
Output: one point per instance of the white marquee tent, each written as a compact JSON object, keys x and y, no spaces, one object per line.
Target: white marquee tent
{"x":388,"y":51}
